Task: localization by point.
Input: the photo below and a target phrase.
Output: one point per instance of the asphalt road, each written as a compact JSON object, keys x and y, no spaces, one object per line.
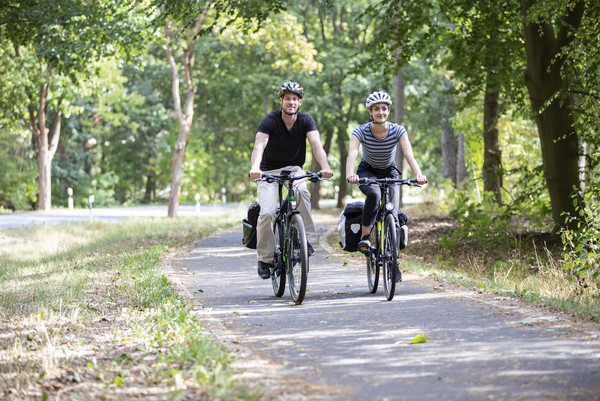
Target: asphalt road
{"x":344,"y":343}
{"x":59,"y":216}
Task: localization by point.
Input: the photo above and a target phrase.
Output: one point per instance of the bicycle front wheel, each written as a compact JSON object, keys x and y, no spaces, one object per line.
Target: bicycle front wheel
{"x":297,"y":259}
{"x":372,"y":265}
{"x":390,"y":257}
{"x":278,"y":276}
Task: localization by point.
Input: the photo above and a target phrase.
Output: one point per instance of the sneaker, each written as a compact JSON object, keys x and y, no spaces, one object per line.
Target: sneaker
{"x":264,"y":269}
{"x":398,"y":275}
{"x":364,"y":245}
{"x":310,"y":249}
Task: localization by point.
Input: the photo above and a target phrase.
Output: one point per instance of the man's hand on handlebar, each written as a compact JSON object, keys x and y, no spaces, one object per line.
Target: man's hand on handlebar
{"x":255,"y":174}
{"x":326,"y":173}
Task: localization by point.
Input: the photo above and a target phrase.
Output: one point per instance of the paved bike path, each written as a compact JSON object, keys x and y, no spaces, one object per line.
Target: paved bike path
{"x":344,"y":343}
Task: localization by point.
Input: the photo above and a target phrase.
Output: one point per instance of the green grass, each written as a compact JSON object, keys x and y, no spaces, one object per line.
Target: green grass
{"x":87,"y":312}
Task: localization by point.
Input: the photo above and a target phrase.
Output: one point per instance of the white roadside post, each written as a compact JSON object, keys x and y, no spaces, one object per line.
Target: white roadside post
{"x":70,"y":200}
{"x":197,"y":203}
{"x":223,"y":197}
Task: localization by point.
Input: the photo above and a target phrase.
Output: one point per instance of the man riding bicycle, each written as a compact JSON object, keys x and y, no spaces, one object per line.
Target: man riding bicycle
{"x":379,"y":138}
{"x":280,"y":144}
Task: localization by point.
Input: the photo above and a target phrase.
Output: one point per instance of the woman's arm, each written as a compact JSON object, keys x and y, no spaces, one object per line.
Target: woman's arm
{"x":410,"y":159}
{"x":351,"y":160}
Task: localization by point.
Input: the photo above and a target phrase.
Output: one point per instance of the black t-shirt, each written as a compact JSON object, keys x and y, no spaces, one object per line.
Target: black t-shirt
{"x":285,"y":148}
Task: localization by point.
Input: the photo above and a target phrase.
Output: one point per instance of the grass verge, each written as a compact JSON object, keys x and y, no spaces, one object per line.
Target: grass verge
{"x":87,"y":313}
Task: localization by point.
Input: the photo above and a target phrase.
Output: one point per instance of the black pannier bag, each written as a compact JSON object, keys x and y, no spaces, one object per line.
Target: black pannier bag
{"x":402,"y":231}
{"x":249,"y":226}
{"x":349,"y":227}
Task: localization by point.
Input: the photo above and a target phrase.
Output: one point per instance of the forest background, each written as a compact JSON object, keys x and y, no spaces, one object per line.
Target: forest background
{"x":149,"y":101}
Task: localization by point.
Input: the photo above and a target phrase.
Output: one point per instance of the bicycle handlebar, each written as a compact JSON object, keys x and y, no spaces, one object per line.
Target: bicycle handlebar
{"x":313,"y":177}
{"x":388,"y":181}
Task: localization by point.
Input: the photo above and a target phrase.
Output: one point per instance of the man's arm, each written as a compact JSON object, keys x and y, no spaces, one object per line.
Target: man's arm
{"x":314,"y":138}
{"x":260,"y":143}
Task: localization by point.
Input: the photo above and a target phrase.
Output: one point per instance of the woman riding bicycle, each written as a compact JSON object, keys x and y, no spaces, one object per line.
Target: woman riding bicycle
{"x":379,"y":138}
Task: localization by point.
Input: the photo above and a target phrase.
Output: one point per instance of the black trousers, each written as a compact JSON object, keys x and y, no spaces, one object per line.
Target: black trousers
{"x":373,"y":192}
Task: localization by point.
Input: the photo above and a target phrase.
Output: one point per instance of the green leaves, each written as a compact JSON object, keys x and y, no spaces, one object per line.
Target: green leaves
{"x":419,"y":339}
{"x":581,"y":252}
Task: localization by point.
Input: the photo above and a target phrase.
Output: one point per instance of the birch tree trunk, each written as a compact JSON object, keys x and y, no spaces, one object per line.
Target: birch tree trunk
{"x":185,"y":113}
{"x":46,"y":141}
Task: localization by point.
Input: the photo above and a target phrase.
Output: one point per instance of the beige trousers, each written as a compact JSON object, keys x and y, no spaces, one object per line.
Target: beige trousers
{"x":267,"y":197}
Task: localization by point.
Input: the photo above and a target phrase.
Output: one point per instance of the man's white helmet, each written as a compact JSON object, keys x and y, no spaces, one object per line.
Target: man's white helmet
{"x":291,"y":87}
{"x":378,"y":97}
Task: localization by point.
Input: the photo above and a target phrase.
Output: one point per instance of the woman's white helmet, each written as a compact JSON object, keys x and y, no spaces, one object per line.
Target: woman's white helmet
{"x":378,"y":97}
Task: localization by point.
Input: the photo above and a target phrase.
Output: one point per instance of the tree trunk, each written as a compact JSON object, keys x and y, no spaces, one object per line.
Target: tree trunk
{"x":399,"y":107}
{"x":461,"y":166}
{"x":150,"y":187}
{"x":315,"y":187}
{"x":342,"y":144}
{"x":185,"y":115}
{"x":558,"y":139}
{"x":399,"y":117}
{"x":449,"y":163}
{"x":46,"y":141}
{"x":492,"y":157}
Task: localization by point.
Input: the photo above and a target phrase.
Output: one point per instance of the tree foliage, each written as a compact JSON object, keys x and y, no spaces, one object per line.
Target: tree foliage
{"x":55,"y":45}
{"x":118,"y":125}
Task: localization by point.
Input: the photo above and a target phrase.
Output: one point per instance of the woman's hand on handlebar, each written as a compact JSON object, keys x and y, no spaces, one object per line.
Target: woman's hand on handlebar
{"x":421,"y":179}
{"x":352,"y":178}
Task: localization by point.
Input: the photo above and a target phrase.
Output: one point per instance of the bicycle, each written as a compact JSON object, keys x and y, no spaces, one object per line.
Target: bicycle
{"x":291,"y":249}
{"x":383,"y":253}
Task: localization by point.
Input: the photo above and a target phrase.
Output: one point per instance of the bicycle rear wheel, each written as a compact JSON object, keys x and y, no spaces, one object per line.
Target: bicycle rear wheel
{"x":297,"y":259}
{"x":372,"y":265}
{"x":390,"y":257}
{"x":278,"y":276}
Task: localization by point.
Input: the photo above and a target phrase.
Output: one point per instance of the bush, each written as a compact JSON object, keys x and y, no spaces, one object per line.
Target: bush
{"x":486,"y":223}
{"x":581,"y":252}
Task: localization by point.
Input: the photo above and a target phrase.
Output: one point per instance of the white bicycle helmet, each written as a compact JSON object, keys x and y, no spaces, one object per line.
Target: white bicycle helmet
{"x":378,"y":97}
{"x":291,"y":87}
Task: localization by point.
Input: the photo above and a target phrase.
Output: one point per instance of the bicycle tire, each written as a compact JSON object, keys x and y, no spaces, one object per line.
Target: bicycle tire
{"x":297,"y":259}
{"x":278,"y":276}
{"x":390,"y":259}
{"x":372,"y":265}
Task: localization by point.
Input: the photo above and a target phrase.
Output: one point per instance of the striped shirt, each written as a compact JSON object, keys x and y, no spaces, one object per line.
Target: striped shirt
{"x":379,"y":153}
